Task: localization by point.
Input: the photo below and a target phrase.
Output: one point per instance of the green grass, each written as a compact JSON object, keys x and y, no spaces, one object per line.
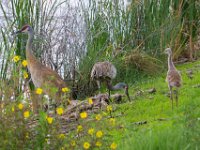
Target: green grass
{"x":179,"y":129}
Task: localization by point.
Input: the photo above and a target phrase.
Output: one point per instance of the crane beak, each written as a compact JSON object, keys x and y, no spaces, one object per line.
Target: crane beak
{"x":17,"y":32}
{"x":127,"y":93}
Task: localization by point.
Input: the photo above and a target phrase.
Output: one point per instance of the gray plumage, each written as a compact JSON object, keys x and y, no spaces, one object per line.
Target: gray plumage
{"x":106,"y":72}
{"x":173,"y":77}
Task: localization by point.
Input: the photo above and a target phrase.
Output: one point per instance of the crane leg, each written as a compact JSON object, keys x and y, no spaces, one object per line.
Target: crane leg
{"x":171,"y":95}
{"x":99,"y":85}
{"x":176,"y":97}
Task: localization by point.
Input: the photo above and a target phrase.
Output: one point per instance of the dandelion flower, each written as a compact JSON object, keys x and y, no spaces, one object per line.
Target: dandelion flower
{"x":20,"y":106}
{"x":65,"y":89}
{"x":24,"y":63}
{"x":26,"y":114}
{"x":16,"y":58}
{"x":13,"y":109}
{"x":59,"y":111}
{"x":91,"y":131}
{"x":109,"y":108}
{"x":79,"y":128}
{"x":86,"y":145}
{"x":39,"y":91}
{"x":49,"y":120}
{"x":83,"y":115}
{"x":98,"y":144}
{"x":99,"y":134}
{"x":61,"y":136}
{"x":73,"y":143}
{"x":112,"y":121}
{"x":25,"y":74}
{"x":113,"y":146}
{"x":90,"y":101}
{"x":98,"y":117}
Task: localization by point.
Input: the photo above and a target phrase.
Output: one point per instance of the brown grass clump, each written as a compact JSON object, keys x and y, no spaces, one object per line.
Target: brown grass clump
{"x":143,"y":62}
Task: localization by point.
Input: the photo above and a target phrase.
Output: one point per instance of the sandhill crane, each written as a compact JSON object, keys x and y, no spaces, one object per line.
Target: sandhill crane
{"x":41,"y":75}
{"x":173,"y":77}
{"x":106,"y":72}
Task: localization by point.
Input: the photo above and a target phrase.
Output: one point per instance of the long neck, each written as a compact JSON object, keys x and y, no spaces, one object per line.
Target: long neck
{"x":113,"y":88}
{"x":170,"y":62}
{"x":29,"y":55}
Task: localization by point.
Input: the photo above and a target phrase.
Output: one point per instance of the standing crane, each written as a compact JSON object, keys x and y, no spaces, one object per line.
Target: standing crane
{"x":173,"y":77}
{"x":106,"y":72}
{"x":42,"y":76}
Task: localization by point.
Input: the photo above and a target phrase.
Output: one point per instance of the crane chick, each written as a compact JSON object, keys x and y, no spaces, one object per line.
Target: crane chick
{"x":173,"y":77}
{"x":106,"y":72}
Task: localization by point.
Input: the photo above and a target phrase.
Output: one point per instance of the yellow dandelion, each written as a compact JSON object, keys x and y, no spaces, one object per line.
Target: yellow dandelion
{"x":83,"y":115}
{"x":26,"y":114}
{"x":16,"y":58}
{"x":59,"y":111}
{"x":13,"y":109}
{"x":49,"y":120}
{"x":109,"y":108}
{"x":38,"y":91}
{"x":98,"y":117}
{"x":65,"y":89}
{"x":79,"y":128}
{"x":86,"y":145}
{"x":112,"y":121}
{"x":99,"y":134}
{"x":20,"y":106}
{"x":61,"y":136}
{"x":113,"y":146}
{"x":73,"y":143}
{"x":91,"y":131}
{"x":24,"y":63}
{"x":98,"y":144}
{"x":90,"y":101}
{"x":25,"y":74}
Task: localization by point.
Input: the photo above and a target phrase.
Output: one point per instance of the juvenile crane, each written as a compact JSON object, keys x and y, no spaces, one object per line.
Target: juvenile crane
{"x":106,"y":72}
{"x":173,"y":77}
{"x":41,"y":75}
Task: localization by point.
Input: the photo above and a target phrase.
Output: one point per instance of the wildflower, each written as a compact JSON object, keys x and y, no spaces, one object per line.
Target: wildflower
{"x":98,"y":144}
{"x":65,"y":89}
{"x":109,"y":108}
{"x":61,"y":136}
{"x":98,"y":117}
{"x":90,"y":101}
{"x":13,"y":109}
{"x":99,"y":134}
{"x":91,"y":131}
{"x":25,"y":75}
{"x":27,"y":135}
{"x":24,"y":63}
{"x":112,"y":121}
{"x":83,"y":115}
{"x":59,"y":111}
{"x":86,"y":145}
{"x":26,"y":114}
{"x":16,"y":58}
{"x":79,"y":128}
{"x":73,"y":143}
{"x":49,"y":120}
{"x":20,"y":106}
{"x":113,"y":146}
{"x":62,"y":148}
{"x":38,"y":91}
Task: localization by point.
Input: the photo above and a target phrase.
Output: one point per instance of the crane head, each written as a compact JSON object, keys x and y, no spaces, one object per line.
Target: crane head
{"x":24,"y":29}
{"x":168,"y":51}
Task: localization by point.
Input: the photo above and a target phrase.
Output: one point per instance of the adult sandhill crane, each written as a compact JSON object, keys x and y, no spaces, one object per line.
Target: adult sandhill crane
{"x":173,"y":77}
{"x":106,"y":72}
{"x":41,"y":75}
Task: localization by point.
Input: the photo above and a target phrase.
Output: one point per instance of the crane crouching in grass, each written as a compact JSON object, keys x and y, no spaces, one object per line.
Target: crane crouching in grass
{"x":106,"y":72}
{"x":173,"y":77}
{"x":42,"y":76}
